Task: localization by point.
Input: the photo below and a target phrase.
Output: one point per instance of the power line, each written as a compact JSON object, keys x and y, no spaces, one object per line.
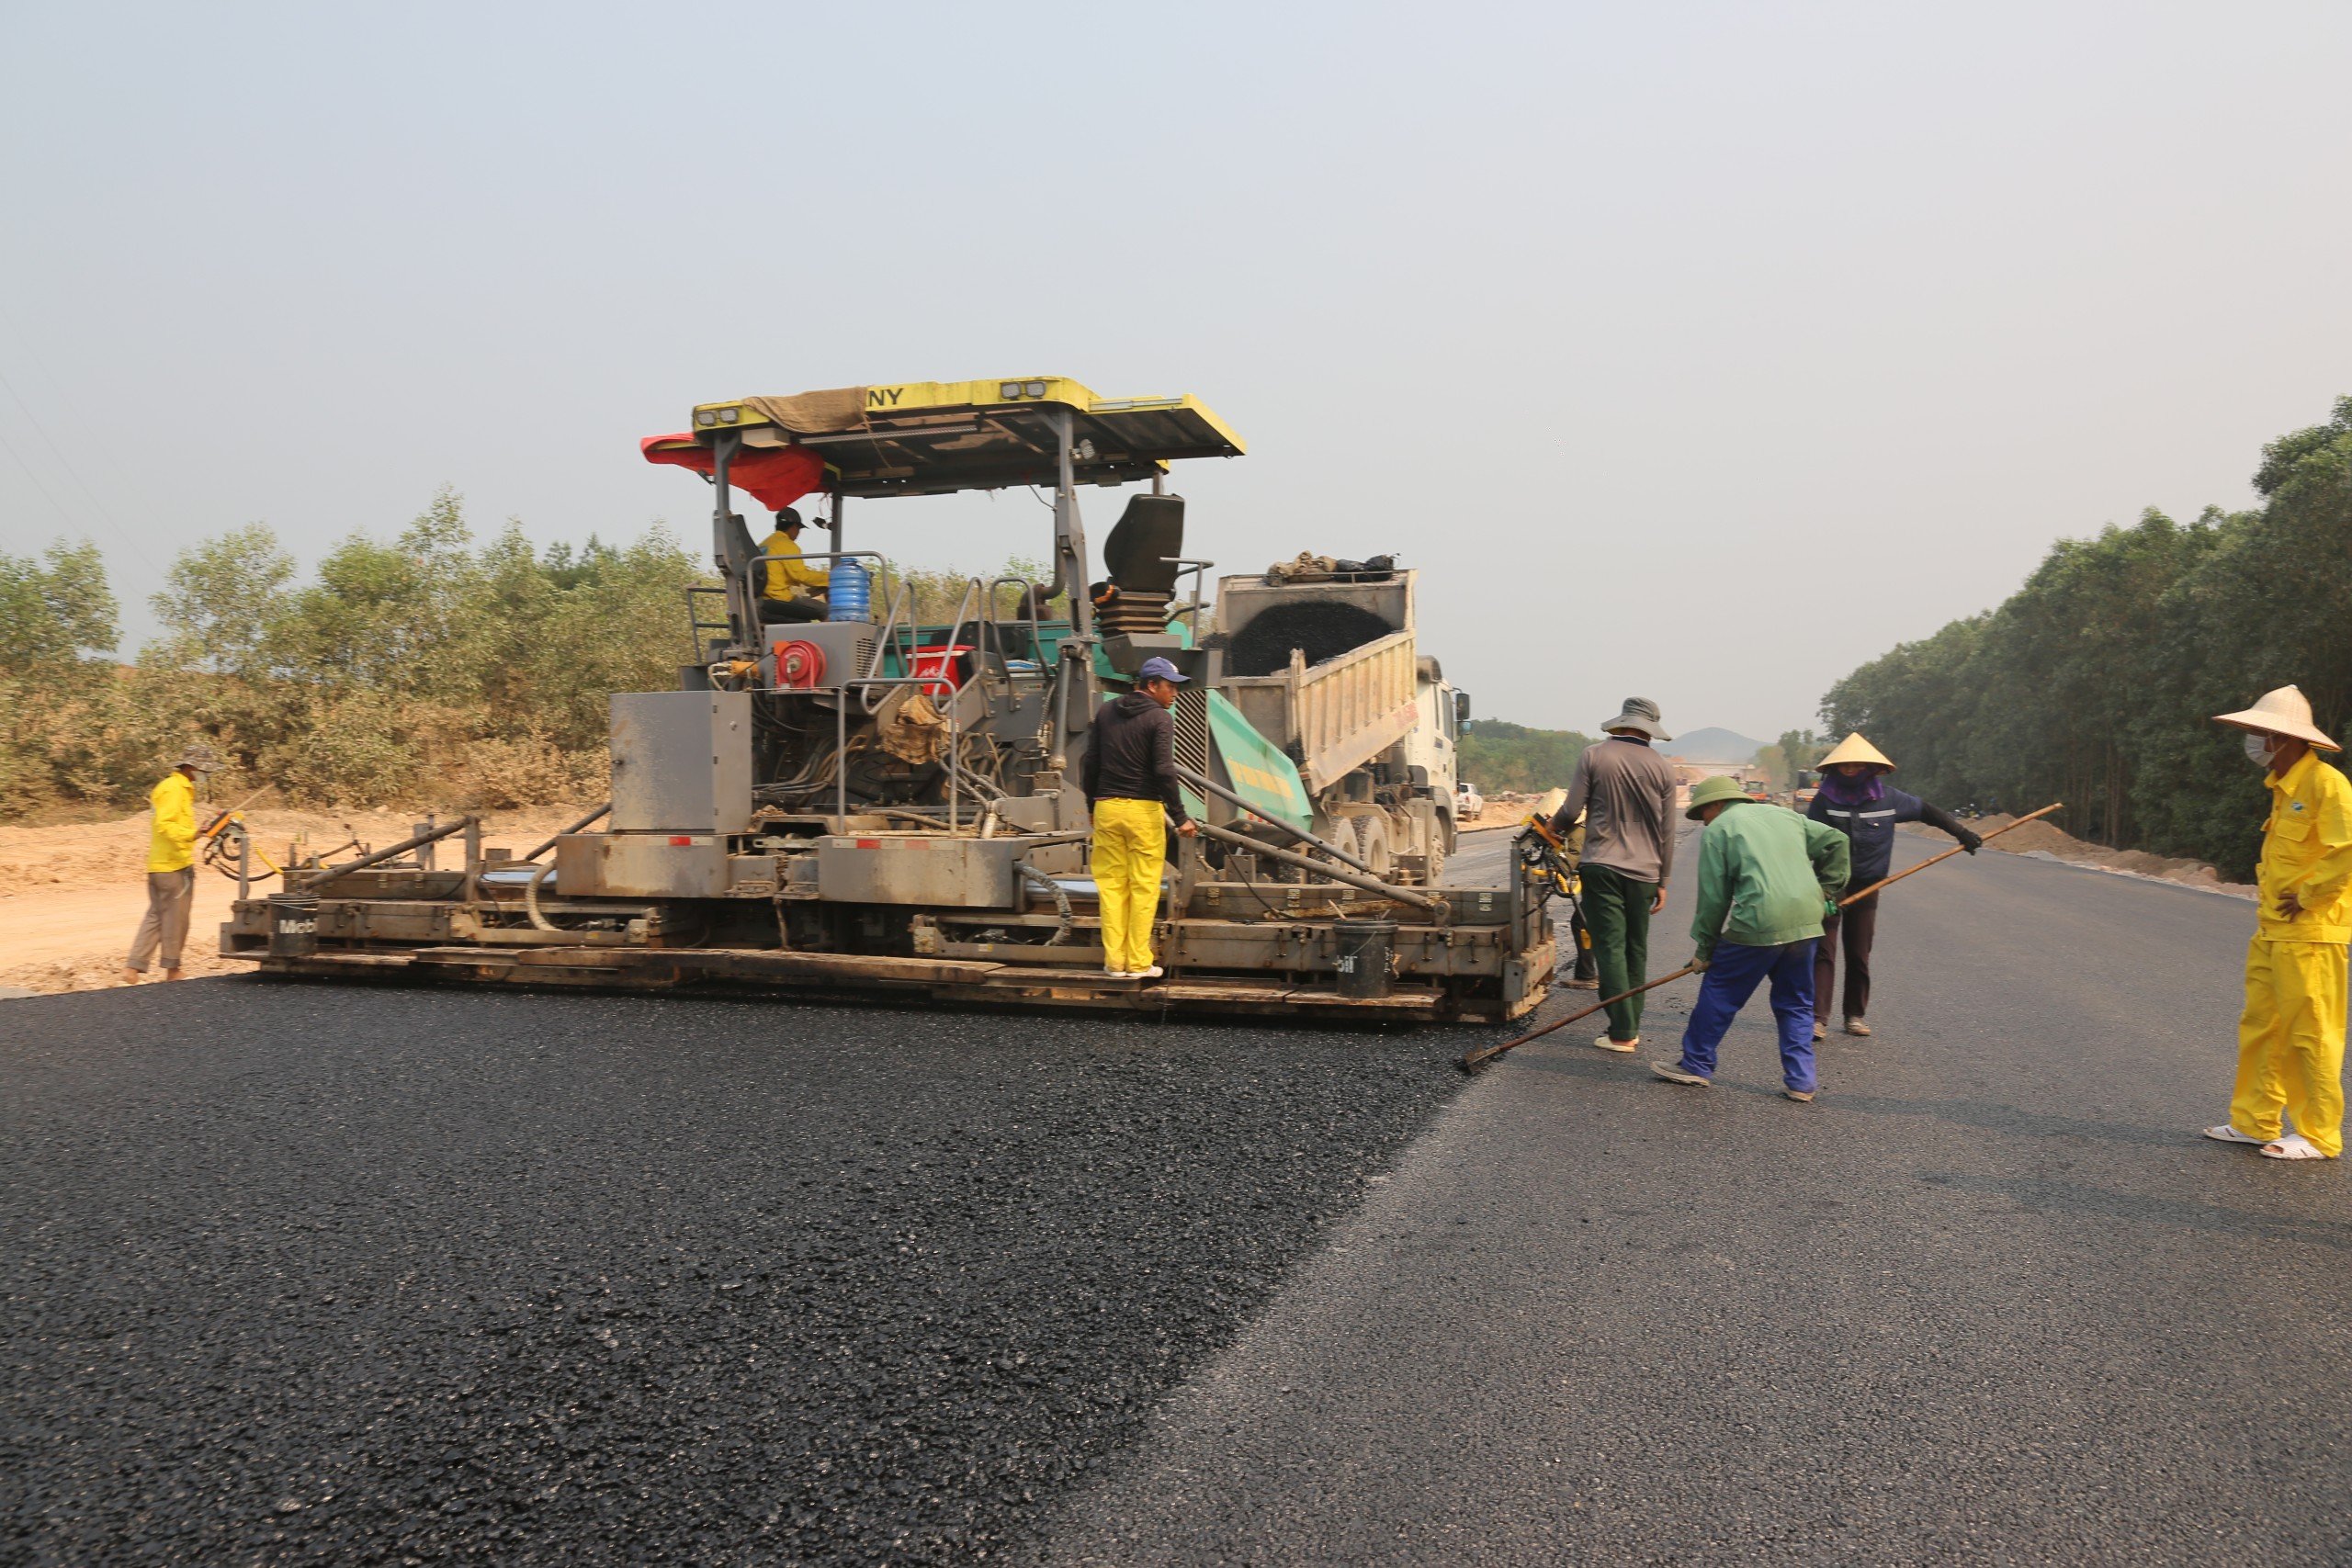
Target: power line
{"x":66,"y":463}
{"x":69,"y":518}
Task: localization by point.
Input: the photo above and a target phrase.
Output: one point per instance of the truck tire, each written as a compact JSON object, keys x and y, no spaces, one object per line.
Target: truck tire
{"x":1372,"y":845}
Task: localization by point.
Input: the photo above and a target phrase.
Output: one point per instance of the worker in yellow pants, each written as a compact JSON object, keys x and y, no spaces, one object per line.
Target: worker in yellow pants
{"x":1130,"y":848}
{"x":2290,"y":1044}
{"x":1129,"y":778}
{"x":2291,"y":1036}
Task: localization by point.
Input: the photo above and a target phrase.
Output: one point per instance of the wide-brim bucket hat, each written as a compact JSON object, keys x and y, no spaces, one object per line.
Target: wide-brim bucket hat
{"x":1854,"y":748}
{"x":1641,"y":714}
{"x":198,"y":758}
{"x":2283,"y":712}
{"x":1706,"y":792}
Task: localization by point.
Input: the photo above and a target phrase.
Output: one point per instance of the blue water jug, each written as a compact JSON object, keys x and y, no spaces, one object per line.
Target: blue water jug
{"x":848,"y":593}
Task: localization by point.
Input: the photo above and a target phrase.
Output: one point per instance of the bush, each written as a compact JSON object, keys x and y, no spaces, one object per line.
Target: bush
{"x":425,"y":670}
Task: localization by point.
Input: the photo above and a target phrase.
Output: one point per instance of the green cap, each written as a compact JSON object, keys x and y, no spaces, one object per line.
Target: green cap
{"x":1706,"y":792}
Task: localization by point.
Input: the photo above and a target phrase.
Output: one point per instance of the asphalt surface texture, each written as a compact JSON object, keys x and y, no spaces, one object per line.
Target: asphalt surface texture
{"x":1990,"y":1299}
{"x":296,"y":1274}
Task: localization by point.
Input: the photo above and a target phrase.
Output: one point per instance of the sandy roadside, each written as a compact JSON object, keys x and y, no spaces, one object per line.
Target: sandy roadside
{"x":70,"y":897}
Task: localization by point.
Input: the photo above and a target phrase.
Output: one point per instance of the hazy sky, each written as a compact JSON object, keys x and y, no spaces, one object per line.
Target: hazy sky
{"x":1696,"y":350}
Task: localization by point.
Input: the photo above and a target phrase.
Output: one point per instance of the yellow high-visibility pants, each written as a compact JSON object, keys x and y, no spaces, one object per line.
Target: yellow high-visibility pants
{"x":1130,"y":847}
{"x":2290,"y":1042}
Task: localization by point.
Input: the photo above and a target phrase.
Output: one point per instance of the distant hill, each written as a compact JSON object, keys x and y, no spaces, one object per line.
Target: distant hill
{"x":1711,"y":745}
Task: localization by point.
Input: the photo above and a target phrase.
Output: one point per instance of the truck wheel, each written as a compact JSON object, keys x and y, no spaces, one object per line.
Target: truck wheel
{"x":1372,"y":845}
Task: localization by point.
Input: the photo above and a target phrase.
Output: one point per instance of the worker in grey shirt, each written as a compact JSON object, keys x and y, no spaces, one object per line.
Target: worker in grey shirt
{"x":1626,"y":792}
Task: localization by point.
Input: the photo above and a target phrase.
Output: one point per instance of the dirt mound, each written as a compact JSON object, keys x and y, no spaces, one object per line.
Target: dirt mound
{"x":2044,"y":838}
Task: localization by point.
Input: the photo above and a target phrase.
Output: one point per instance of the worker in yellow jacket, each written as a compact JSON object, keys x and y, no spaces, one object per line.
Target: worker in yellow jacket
{"x":2291,"y":1037}
{"x":786,"y":577}
{"x":171,"y":868}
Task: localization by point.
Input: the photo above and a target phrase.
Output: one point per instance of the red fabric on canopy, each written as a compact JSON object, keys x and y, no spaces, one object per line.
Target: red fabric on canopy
{"x":775,"y":477}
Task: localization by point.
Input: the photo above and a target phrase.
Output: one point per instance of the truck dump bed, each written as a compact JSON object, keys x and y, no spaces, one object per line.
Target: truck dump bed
{"x":1334,"y":716}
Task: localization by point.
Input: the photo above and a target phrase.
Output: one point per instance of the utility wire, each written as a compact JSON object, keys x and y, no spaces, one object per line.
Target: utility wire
{"x":120,"y":532}
{"x":69,"y":518}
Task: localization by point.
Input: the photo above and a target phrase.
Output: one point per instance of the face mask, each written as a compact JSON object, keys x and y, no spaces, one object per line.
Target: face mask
{"x":2258,"y":751}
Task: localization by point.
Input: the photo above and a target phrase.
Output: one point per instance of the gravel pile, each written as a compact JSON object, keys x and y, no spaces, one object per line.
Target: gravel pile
{"x":1319,"y":629}
{"x":296,"y":1274}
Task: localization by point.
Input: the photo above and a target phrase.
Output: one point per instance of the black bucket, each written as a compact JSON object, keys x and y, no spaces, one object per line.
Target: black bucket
{"x":1367,"y":948}
{"x":293,"y":926}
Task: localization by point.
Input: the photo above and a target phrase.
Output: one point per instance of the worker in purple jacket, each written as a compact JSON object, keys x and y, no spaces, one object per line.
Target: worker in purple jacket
{"x":1856,"y":799}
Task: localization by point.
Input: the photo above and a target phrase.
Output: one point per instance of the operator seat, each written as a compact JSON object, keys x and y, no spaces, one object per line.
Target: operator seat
{"x":1140,"y":552}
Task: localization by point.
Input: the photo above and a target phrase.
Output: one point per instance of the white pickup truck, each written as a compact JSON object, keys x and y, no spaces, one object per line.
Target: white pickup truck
{"x":1468,"y":803}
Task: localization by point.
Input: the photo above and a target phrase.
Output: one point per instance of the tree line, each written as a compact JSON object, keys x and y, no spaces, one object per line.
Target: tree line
{"x":1498,"y":755}
{"x":2092,"y":684}
{"x":431,"y":668}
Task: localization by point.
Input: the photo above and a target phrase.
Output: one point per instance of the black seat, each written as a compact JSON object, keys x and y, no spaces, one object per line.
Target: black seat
{"x":1140,"y":549}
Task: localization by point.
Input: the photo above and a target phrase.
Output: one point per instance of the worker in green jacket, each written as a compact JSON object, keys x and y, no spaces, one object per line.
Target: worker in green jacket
{"x":1767,"y":879}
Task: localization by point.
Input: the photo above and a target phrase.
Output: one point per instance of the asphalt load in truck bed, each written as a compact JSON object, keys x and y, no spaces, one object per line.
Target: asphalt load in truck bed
{"x":1316,"y":628}
{"x":299,"y":1273}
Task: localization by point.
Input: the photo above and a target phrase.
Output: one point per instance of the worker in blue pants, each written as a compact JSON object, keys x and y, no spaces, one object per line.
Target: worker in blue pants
{"x":1767,"y":877}
{"x":1733,"y":973}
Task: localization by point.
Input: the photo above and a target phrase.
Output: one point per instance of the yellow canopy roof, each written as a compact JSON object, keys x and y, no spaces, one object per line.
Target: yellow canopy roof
{"x":932,"y":437}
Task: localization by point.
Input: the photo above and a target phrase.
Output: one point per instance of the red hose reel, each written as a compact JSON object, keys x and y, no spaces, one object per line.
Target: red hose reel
{"x":799,"y":666}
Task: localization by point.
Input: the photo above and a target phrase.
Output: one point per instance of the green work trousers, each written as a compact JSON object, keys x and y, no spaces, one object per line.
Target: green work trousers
{"x":1617,"y":908}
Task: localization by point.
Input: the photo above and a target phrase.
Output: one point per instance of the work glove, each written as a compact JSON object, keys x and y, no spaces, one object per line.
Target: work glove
{"x":1700,"y":960}
{"x":1971,"y":839}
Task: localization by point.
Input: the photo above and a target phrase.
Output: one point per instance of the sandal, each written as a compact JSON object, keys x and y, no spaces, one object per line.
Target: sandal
{"x":2294,"y":1145}
{"x":1802,"y":1096}
{"x":2226,"y":1134}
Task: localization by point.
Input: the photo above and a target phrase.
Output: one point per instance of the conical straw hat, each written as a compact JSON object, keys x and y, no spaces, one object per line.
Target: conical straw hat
{"x":1854,"y":748}
{"x":2283,"y":712}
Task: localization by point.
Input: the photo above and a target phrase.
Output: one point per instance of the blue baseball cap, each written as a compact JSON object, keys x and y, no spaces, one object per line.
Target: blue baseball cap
{"x":1158,"y":668}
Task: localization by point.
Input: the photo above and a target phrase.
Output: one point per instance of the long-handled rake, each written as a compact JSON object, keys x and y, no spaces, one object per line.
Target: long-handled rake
{"x":1472,"y":1061}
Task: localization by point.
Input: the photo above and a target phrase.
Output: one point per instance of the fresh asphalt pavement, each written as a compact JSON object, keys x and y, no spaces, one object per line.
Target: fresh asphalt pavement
{"x":1991,"y":1299}
{"x":296,"y":1273}
{"x":303,"y":1273}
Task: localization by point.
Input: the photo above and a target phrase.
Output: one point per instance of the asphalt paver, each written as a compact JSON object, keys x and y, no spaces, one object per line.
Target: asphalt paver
{"x":1990,"y":1299}
{"x":301,"y":1273}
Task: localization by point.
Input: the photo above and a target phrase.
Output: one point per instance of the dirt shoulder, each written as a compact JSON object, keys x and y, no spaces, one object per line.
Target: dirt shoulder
{"x":2055,"y":844}
{"x":71,"y":895}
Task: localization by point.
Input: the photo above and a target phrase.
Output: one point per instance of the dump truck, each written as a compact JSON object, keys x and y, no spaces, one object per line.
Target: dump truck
{"x":1319,"y":655}
{"x":845,"y":800}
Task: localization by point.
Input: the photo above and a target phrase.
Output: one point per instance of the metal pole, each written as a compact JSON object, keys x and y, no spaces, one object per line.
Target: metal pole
{"x":328,"y":873}
{"x":840,"y":760}
{"x":1070,"y":533}
{"x":1199,"y":782}
{"x":1369,"y":884}
{"x":601,"y":811}
{"x":740,"y":611}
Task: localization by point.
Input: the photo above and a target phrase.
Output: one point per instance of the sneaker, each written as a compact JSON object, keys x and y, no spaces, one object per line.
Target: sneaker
{"x":1802,"y":1096}
{"x":1820,"y":1033}
{"x":1855,"y":1026}
{"x":1674,"y":1072}
{"x":1623,"y":1047}
{"x":1154,"y":973}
